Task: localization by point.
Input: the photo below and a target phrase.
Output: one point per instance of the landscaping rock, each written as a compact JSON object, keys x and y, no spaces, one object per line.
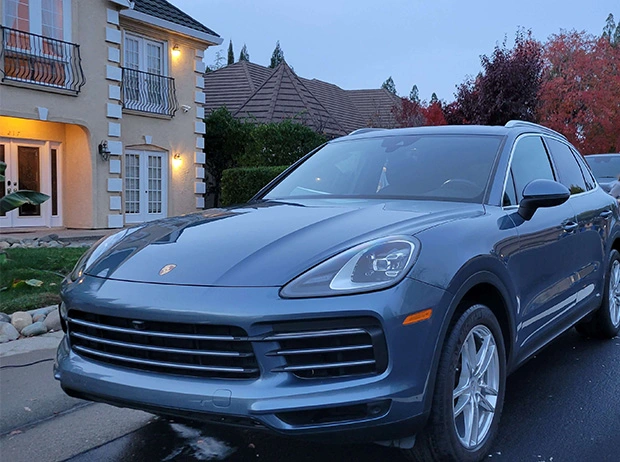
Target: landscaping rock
{"x":4,"y":339}
{"x":20,"y":320}
{"x":17,"y":245}
{"x":10,"y":240}
{"x":8,"y":330}
{"x":44,"y":311}
{"x":4,"y":245}
{"x":48,"y":238}
{"x":52,"y":322}
{"x":37,"y":328}
{"x":38,"y":318}
{"x":5,"y":317}
{"x":54,"y":244}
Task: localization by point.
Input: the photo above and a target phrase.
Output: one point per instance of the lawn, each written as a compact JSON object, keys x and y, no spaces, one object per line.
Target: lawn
{"x":47,"y":265}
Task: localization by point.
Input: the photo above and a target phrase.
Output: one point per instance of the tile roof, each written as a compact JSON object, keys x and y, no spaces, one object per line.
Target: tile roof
{"x":164,"y":10}
{"x":267,"y":95}
{"x":284,"y":96}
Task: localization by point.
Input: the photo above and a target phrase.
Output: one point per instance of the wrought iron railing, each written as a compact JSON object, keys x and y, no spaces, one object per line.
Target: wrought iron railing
{"x":147,"y":92}
{"x":39,"y":60}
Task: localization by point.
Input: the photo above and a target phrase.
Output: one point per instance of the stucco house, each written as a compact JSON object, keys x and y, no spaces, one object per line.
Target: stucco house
{"x":101,"y":108}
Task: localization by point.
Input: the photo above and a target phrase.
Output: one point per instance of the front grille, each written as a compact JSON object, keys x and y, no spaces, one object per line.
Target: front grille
{"x":334,"y":348}
{"x":201,"y":350}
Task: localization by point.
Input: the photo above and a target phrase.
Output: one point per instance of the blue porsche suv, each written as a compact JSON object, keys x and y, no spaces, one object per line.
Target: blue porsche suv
{"x":380,"y":289}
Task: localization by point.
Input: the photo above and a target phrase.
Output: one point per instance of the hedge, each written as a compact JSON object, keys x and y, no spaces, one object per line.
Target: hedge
{"x":240,"y":184}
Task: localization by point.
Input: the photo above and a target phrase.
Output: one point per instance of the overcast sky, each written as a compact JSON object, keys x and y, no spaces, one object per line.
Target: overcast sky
{"x":356,"y":44}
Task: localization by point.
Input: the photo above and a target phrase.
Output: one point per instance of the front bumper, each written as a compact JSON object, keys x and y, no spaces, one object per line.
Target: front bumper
{"x":388,"y":405}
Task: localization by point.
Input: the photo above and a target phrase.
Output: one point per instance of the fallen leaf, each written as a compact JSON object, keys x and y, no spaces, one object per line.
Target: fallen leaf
{"x":34,"y":282}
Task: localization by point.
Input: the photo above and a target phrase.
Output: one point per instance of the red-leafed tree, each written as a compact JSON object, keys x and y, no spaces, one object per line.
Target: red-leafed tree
{"x":409,"y":113}
{"x":506,"y":88}
{"x":433,"y":114}
{"x":580,"y":91}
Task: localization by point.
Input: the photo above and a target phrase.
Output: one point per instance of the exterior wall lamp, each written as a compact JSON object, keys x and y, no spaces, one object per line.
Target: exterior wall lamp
{"x":176,"y":160}
{"x":176,"y":51}
{"x":104,"y":152}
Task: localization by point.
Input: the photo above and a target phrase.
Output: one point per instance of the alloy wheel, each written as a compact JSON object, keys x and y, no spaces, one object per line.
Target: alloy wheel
{"x":476,"y":388}
{"x":614,"y":293}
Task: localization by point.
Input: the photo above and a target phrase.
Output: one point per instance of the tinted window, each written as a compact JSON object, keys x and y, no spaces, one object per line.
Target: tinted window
{"x":438,"y":167}
{"x":529,"y":162}
{"x":587,"y":175}
{"x":568,"y":169}
{"x":605,"y":168}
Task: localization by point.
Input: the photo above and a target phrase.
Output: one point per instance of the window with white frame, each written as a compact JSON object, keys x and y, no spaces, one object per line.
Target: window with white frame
{"x":145,"y":84}
{"x":36,"y":42}
{"x":49,"y":18}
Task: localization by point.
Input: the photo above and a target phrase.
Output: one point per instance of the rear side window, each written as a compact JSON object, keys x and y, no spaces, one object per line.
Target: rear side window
{"x":587,"y":175}
{"x":529,"y":162}
{"x":569,"y":171}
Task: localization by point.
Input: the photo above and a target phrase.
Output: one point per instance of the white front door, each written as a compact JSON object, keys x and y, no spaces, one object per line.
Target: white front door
{"x":31,"y":165}
{"x":146,"y":186}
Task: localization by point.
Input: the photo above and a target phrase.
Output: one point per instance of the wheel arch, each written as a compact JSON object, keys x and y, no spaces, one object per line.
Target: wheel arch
{"x":486,"y":288}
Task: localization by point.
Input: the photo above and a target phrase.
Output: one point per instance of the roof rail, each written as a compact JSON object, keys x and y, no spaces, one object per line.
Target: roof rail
{"x":523,"y":123}
{"x":359,"y":131}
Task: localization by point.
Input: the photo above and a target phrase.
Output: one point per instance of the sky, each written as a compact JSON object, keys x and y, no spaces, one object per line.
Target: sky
{"x":355,"y":44}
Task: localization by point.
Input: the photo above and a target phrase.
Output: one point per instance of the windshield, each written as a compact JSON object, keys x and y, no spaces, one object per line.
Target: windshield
{"x":433,"y":167}
{"x":606,"y":167}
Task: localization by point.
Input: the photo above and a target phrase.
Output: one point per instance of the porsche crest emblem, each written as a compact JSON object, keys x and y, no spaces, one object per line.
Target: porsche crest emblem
{"x":166,"y":269}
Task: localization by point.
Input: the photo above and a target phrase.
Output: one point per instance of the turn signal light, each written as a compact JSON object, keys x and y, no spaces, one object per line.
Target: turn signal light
{"x":417,"y":317}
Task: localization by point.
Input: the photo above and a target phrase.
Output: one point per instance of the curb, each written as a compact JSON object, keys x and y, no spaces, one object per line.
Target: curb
{"x":47,"y":341}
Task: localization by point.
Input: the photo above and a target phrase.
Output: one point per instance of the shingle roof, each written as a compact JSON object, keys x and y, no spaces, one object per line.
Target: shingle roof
{"x":284,"y":96}
{"x":232,"y":85}
{"x":251,"y":90}
{"x":163,"y":10}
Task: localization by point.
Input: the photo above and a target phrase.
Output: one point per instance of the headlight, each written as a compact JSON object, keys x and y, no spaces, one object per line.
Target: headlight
{"x":374,"y":265}
{"x":98,"y":249}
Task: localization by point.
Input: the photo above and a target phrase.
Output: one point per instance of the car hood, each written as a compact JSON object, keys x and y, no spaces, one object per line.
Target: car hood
{"x":261,"y":245}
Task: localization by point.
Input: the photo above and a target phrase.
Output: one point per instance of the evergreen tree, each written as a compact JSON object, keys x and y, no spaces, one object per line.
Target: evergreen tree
{"x":244,"y":55}
{"x":434,"y":98}
{"x":231,"y":54}
{"x":277,"y":56}
{"x":414,"y":94}
{"x":610,"y":28}
{"x":389,"y":85}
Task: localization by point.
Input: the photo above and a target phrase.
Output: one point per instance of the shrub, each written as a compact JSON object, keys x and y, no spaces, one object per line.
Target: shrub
{"x":279,"y":144}
{"x":240,"y":184}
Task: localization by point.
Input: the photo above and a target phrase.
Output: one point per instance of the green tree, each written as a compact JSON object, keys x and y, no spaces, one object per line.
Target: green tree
{"x":279,"y":144}
{"x":16,"y":199}
{"x":434,"y":99}
{"x":609,"y":31}
{"x":277,"y":56}
{"x":231,"y":53}
{"x":225,"y":140}
{"x":414,"y":94}
{"x":389,"y":85}
{"x":218,"y":62}
{"x":244,"y":55}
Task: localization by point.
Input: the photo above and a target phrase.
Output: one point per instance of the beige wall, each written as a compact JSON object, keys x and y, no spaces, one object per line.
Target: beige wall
{"x":81,"y":122}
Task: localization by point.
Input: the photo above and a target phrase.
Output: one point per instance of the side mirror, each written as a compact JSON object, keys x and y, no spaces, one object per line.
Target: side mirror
{"x":541,"y":193}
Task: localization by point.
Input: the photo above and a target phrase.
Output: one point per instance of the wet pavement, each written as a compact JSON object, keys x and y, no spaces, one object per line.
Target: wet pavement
{"x":563,"y":405}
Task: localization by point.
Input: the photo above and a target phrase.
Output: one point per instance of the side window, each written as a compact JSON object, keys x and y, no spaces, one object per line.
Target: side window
{"x":529,"y":162}
{"x":510,"y":195}
{"x":568,"y":168}
{"x":587,"y":174}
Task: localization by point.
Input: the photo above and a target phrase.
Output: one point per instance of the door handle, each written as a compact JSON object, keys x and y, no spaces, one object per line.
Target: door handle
{"x":570,"y":226}
{"x":606,"y":214}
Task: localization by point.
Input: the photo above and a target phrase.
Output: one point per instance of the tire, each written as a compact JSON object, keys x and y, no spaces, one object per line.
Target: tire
{"x":604,"y":323}
{"x":447,"y":436}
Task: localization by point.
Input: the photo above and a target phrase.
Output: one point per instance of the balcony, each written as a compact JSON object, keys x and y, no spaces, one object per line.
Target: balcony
{"x":150,"y":93}
{"x":41,"y":61}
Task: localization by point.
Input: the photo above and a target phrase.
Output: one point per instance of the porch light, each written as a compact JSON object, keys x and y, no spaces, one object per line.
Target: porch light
{"x":104,"y":152}
{"x":176,"y":160}
{"x":176,"y":51}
